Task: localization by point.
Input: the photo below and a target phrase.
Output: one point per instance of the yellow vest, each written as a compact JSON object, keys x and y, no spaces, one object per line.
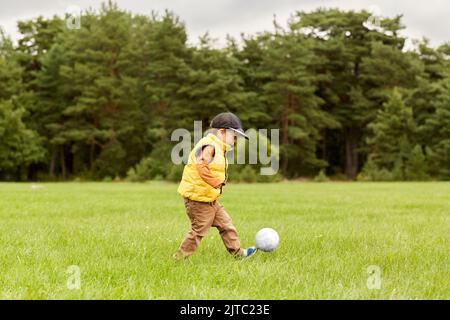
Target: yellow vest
{"x":192,"y":186}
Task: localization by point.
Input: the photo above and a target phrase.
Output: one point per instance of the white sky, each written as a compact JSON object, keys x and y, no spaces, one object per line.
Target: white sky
{"x":428,"y":18}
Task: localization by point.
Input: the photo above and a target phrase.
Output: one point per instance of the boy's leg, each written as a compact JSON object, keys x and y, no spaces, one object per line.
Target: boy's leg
{"x":223,"y":223}
{"x":201,"y":215}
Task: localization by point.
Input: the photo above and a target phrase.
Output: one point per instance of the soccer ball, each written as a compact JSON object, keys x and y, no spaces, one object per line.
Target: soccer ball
{"x":267,"y":239}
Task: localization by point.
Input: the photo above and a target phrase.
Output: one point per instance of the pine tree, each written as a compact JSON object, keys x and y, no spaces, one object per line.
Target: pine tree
{"x":288,"y":92}
{"x":350,"y":50}
{"x":423,"y":94}
{"x":163,"y":101}
{"x":437,"y":129}
{"x":254,"y":76}
{"x":98,"y":121}
{"x":416,"y":166}
{"x":19,"y":146}
{"x":391,"y":134}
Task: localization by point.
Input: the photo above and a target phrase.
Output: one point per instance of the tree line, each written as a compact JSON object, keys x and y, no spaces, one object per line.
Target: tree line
{"x":100,"y":101}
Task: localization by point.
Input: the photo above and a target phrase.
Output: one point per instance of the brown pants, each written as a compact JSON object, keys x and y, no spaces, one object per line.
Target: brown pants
{"x":203,"y":215}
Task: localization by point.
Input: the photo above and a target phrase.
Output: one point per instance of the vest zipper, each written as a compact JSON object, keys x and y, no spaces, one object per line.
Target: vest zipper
{"x":226,"y":173}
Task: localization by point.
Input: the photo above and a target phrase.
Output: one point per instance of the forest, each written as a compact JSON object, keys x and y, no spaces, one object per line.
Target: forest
{"x":99,"y":102}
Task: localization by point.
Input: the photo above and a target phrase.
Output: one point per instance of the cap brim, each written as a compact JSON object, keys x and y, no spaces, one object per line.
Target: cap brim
{"x":239,"y":132}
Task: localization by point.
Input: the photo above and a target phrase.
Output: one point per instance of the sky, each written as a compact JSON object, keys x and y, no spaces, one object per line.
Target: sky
{"x":428,"y":18}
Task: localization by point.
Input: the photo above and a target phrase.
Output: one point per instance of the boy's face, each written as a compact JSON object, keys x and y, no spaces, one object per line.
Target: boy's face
{"x":228,"y":136}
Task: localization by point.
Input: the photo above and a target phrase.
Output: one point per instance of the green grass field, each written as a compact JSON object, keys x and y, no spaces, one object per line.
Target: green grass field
{"x":122,"y":237}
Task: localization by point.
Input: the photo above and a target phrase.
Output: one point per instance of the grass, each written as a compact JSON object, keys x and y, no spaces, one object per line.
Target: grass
{"x":122,"y":236}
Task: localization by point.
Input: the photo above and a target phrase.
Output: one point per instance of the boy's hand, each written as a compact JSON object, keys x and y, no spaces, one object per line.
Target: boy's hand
{"x":220,"y":185}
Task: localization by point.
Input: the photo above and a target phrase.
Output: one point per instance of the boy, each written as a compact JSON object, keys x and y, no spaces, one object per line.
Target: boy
{"x":204,"y":176}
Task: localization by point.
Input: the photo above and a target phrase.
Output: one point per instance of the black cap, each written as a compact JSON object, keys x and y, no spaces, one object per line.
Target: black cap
{"x":228,"y":120}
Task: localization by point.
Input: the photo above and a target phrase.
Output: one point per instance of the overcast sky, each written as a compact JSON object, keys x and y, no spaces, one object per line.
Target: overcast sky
{"x":429,"y":18}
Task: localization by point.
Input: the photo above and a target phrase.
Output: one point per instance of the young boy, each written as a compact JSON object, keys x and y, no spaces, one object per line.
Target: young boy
{"x":204,"y":176}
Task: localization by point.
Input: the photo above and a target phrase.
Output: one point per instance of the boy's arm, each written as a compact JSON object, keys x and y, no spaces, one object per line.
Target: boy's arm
{"x":203,"y":160}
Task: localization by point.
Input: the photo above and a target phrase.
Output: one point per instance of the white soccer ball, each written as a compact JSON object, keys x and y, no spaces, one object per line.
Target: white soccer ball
{"x":267,"y":239}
